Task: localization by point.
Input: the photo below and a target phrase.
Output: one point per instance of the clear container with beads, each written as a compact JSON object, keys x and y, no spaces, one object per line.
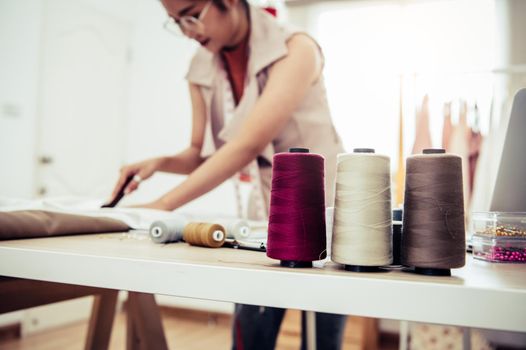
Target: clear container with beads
{"x":499,"y":237}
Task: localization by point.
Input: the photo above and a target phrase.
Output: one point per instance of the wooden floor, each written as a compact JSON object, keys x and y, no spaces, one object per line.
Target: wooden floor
{"x":182,"y":333}
{"x":187,"y":330}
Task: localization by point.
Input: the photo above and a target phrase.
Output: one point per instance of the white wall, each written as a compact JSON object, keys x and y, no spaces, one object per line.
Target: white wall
{"x":20,"y":24}
{"x":21,"y":48}
{"x":511,"y":51}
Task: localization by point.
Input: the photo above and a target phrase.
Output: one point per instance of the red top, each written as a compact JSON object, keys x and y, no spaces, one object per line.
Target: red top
{"x":272,"y":10}
{"x":236,"y":62}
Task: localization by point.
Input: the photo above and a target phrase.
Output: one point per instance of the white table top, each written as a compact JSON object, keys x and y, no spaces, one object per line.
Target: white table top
{"x":481,"y":294}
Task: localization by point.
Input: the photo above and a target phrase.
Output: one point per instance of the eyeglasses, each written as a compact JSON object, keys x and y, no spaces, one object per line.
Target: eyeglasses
{"x":189,"y":26}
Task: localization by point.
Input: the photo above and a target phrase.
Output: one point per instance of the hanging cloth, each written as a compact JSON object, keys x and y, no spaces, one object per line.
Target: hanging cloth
{"x":422,"y":134}
{"x":459,"y":145}
{"x":447,"y":128}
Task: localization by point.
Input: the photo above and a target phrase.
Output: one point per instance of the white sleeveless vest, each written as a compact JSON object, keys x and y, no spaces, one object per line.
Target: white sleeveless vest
{"x":310,"y":126}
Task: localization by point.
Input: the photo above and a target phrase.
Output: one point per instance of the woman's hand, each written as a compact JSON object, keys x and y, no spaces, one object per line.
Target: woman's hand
{"x":158,"y":204}
{"x":140,"y":172}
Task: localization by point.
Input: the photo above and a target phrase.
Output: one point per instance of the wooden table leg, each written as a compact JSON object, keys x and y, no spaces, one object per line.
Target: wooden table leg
{"x":145,"y":329}
{"x":310,"y":321}
{"x":466,"y":338}
{"x":101,"y":320}
{"x":132,"y":335}
{"x":370,"y":333}
{"x":404,"y":335}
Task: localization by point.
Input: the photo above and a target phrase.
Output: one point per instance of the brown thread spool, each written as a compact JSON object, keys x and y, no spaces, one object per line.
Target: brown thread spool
{"x":204,"y":234}
{"x":433,"y":239}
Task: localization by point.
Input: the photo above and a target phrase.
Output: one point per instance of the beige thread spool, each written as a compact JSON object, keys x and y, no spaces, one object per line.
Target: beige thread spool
{"x":362,"y":229}
{"x":204,"y":234}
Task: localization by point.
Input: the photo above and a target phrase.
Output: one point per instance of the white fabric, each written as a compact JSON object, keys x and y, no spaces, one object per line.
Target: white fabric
{"x":458,"y":145}
{"x":135,"y":218}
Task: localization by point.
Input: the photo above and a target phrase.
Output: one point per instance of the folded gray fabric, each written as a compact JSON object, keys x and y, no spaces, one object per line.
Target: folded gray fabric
{"x":39,"y":223}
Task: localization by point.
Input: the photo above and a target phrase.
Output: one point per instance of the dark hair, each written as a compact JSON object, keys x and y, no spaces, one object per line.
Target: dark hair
{"x":221,"y":5}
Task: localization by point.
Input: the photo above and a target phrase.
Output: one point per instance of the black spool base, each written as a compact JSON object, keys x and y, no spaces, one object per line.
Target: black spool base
{"x":298,"y":150}
{"x":358,"y":268}
{"x":296,"y":264}
{"x":434,"y":151}
{"x":363,"y":150}
{"x":432,"y":272}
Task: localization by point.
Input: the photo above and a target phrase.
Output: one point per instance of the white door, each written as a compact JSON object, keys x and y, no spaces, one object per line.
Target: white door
{"x":83,"y":98}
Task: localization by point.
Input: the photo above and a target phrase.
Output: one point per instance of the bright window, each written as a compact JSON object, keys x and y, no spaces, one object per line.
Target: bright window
{"x":441,"y":48}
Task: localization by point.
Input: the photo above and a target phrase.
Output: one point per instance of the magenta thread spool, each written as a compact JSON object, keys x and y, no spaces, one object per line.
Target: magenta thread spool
{"x":433,"y":238}
{"x":296,"y":229}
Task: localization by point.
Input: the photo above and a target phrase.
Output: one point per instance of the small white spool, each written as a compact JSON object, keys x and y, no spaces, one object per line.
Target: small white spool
{"x":362,"y":228}
{"x":156,"y":231}
{"x":218,"y":236}
{"x":166,"y":231}
{"x":235,"y":228}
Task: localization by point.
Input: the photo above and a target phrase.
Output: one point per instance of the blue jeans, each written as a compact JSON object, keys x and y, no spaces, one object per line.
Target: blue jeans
{"x":257,"y":328}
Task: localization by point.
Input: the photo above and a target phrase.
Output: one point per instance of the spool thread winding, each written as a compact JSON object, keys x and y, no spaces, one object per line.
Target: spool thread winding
{"x":167,"y":231}
{"x":235,"y":228}
{"x":362,"y":228}
{"x":433,"y":224}
{"x":296,"y":231}
{"x":204,"y":234}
